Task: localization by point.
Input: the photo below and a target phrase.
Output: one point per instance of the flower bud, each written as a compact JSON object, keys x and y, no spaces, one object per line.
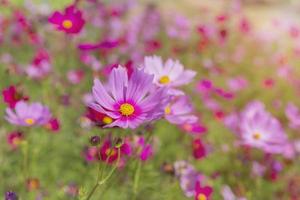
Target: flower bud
{"x":95,"y":140}
{"x":11,"y":196}
{"x":119,"y":142}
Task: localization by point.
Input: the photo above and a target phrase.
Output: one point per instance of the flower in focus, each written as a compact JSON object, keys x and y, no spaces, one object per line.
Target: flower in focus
{"x":179,"y":111}
{"x":171,"y":73}
{"x":11,"y":96}
{"x":202,"y":193}
{"x":28,"y":114}
{"x":129,"y":101}
{"x":14,"y":139}
{"x":70,"y":21}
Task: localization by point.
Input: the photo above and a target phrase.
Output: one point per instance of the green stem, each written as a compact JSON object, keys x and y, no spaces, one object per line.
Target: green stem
{"x":102,"y":181}
{"x":136,"y":179}
{"x":25,"y":160}
{"x":113,"y":169}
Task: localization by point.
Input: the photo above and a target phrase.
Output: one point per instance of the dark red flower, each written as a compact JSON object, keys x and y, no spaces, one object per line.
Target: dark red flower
{"x":109,"y":153}
{"x":53,"y":125}
{"x":11,"y":96}
{"x":198,"y":149}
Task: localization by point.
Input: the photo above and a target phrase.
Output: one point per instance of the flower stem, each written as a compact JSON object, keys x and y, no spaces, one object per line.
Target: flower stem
{"x":137,"y":178}
{"x":100,"y":173}
{"x":25,"y":160}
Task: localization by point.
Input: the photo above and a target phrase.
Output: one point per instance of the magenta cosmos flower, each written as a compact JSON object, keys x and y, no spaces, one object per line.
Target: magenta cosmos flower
{"x":171,"y":73}
{"x":70,"y":21}
{"x":28,"y":114}
{"x":129,"y":101}
{"x":202,"y":193}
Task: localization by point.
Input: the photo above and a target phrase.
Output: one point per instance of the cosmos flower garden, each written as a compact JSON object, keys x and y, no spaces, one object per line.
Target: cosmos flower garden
{"x":136,"y":100}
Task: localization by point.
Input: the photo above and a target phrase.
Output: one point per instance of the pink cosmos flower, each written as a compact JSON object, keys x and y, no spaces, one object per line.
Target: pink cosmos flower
{"x":91,"y":61}
{"x":258,"y":128}
{"x":171,"y":73}
{"x":238,"y":83}
{"x":26,"y":114}
{"x":144,"y":150}
{"x":179,"y":111}
{"x":188,"y":177}
{"x":38,"y":71}
{"x":293,"y":115}
{"x":40,"y":65}
{"x":75,"y":76}
{"x":258,"y":169}
{"x":179,"y":28}
{"x":70,"y":21}
{"x":90,"y":154}
{"x":229,"y":195}
{"x":129,"y":101}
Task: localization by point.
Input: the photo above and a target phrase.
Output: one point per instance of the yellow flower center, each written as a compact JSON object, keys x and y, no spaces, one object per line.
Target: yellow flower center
{"x":257,"y":135}
{"x":126,"y":109}
{"x":201,"y":197}
{"x":164,"y":80}
{"x":107,"y":120}
{"x":110,"y":152}
{"x":29,"y":121}
{"x":67,"y":24}
{"x":16,"y":141}
{"x":167,"y":110}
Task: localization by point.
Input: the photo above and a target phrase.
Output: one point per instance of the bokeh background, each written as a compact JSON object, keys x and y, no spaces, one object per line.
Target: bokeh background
{"x":57,"y":160}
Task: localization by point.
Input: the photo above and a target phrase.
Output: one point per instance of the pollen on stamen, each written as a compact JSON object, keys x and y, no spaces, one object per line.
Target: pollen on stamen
{"x":107,"y":120}
{"x":256,"y":136}
{"x":29,"y":121}
{"x":167,"y":110}
{"x":164,"y":80}
{"x":67,"y":24}
{"x":110,"y":152}
{"x":126,"y":109}
{"x":201,"y":197}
